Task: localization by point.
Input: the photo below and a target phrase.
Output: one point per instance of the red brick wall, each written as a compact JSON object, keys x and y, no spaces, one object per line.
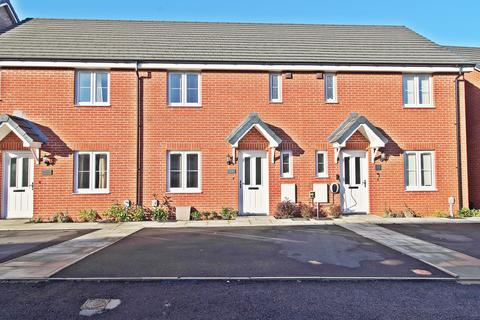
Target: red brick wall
{"x":303,"y":121}
{"x":472,"y":92}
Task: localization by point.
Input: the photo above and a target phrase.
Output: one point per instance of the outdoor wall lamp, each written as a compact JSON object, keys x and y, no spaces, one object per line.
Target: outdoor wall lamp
{"x":48,"y":160}
{"x":229,"y":160}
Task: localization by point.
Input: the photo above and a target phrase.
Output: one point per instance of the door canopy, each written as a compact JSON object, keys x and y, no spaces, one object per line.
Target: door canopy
{"x":253,"y":121}
{"x":30,"y":135}
{"x":353,"y":123}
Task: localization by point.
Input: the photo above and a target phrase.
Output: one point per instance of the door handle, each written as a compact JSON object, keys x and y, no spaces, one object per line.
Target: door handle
{"x":364,"y":183}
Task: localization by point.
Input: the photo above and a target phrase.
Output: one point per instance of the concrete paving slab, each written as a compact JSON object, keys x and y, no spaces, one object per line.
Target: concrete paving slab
{"x":43,"y":263}
{"x":456,"y":263}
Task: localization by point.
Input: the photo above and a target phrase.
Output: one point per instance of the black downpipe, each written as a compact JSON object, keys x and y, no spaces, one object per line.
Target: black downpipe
{"x":139,"y":173}
{"x":459,"y":139}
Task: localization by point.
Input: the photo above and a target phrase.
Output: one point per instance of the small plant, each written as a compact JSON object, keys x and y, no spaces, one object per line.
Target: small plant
{"x":410,"y":213}
{"x":306,"y":211}
{"x":159,"y":214}
{"x":36,"y":220}
{"x":468,"y":213}
{"x":88,"y":215}
{"x":440,"y":214}
{"x":60,"y":217}
{"x":228,"y":213}
{"x":166,"y":204}
{"x":195,"y":215}
{"x":135,"y":213}
{"x":389,"y":213}
{"x":286,"y":209}
{"x":116,"y":213}
{"x":334,"y":211}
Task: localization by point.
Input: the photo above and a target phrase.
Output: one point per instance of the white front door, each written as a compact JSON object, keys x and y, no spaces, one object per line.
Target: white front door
{"x":18,"y":185}
{"x":354,"y":181}
{"x":253,"y":182}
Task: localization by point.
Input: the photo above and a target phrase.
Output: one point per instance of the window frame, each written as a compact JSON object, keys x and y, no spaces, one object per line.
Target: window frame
{"x":323,"y":174}
{"x":279,"y":99}
{"x":418,"y":173}
{"x":183,"y":89}
{"x":183,"y":172}
{"x":91,"y":189}
{"x":334,"y":77}
{"x":289,"y":174}
{"x":93,"y":89}
{"x":416,"y":82}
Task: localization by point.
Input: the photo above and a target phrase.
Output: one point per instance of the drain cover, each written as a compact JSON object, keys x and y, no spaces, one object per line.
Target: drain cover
{"x":97,"y":306}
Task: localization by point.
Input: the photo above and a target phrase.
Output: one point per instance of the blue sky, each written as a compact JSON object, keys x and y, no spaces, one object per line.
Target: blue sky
{"x":444,"y":21}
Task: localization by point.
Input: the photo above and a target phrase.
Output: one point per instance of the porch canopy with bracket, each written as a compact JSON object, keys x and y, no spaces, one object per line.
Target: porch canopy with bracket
{"x":29,"y":133}
{"x":353,"y":123}
{"x":253,"y":121}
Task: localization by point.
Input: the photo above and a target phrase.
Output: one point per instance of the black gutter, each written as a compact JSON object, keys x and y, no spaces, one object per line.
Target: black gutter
{"x":139,"y":166}
{"x":459,"y":133}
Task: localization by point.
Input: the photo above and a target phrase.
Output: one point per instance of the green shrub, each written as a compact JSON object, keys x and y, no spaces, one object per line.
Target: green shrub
{"x":334,"y":211}
{"x":228,"y":213}
{"x":36,"y":220}
{"x":440,"y":214}
{"x":286,"y":209}
{"x":88,"y":215}
{"x":135,"y":213}
{"x":116,"y":213}
{"x":60,"y":217}
{"x":306,"y":210}
{"x":468,"y":213}
{"x":159,"y":214}
{"x":195,"y":215}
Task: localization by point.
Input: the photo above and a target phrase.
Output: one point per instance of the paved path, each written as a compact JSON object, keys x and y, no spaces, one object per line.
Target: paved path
{"x":453,"y":262}
{"x":46,"y":262}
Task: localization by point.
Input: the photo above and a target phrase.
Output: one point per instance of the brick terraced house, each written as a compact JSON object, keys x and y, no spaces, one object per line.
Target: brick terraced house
{"x":228,"y":115}
{"x":472,"y":102}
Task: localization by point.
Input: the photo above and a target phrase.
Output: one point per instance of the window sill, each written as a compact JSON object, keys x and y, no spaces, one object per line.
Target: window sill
{"x":92,"y":105}
{"x":405,"y":106}
{"x":184,"y":192}
{"x":331,"y":102}
{"x":286,"y":177}
{"x":184,"y":105}
{"x":321,"y":177}
{"x":91,"y":192}
{"x":421,"y":190}
{"x":275,"y":102}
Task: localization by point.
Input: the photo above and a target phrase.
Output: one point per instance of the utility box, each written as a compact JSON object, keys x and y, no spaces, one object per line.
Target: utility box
{"x":288,"y":192}
{"x":321,"y":192}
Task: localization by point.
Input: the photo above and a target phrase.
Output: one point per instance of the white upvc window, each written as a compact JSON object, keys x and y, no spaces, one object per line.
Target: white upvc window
{"x":91,"y":172}
{"x":275,"y":87}
{"x":330,"y":87}
{"x":417,"y":90}
{"x":419,"y":170}
{"x":184,"y":89}
{"x":286,"y":164}
{"x":92,"y":88}
{"x":321,"y":164}
{"x":184,"y":172}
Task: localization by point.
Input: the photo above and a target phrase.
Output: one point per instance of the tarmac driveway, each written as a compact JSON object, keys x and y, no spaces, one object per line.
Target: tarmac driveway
{"x":299,"y":251}
{"x":14,"y":244}
{"x":461,"y":237}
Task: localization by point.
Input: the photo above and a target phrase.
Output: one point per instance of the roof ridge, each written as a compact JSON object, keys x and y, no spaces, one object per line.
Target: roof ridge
{"x":222,"y":22}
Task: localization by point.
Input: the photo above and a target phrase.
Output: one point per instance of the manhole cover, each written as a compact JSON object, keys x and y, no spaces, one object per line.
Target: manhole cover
{"x":97,"y":306}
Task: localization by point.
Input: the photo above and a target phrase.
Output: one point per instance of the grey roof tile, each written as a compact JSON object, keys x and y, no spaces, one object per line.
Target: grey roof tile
{"x":27,"y":129}
{"x":471,"y":54}
{"x":252,"y":119}
{"x":203,"y":42}
{"x":350,"y":125}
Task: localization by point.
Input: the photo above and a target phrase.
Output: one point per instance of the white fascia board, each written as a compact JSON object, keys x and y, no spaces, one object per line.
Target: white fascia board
{"x":237,"y":67}
{"x":11,"y":13}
